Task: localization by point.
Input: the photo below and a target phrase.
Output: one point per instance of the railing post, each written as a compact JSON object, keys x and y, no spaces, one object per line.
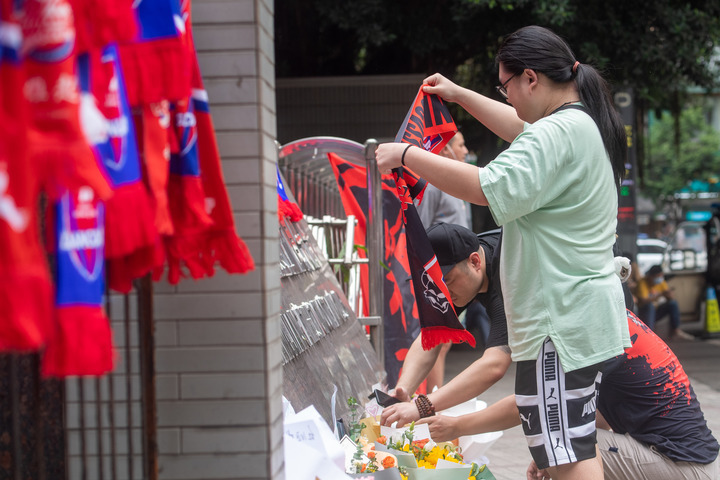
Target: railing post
{"x":376,"y":248}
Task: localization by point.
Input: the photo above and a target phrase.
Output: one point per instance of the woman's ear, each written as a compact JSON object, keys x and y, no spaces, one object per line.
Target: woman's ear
{"x":530,"y":76}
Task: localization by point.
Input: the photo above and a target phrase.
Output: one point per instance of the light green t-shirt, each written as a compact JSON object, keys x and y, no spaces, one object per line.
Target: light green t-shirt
{"x":553,"y":192}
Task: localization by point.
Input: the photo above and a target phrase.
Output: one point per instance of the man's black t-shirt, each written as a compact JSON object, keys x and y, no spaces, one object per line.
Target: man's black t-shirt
{"x":646,"y":393}
{"x":492,"y":300}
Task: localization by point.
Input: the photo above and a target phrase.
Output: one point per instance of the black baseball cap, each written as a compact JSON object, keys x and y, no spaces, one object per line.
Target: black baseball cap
{"x":452,"y":244}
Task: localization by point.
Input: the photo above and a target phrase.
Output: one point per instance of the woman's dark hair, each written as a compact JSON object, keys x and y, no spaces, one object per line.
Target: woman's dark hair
{"x":539,"y":49}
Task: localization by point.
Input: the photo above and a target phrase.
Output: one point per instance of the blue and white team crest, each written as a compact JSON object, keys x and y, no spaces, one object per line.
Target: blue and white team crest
{"x":186,"y":160}
{"x":429,"y":143}
{"x":80,"y":248}
{"x":119,"y":153}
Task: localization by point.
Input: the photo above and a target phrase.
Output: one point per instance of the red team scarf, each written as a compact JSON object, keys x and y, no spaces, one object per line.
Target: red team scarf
{"x":222,"y":246}
{"x":156,"y":64}
{"x":428,"y":125}
{"x":81,"y":343}
{"x":153,"y":127}
{"x":42,"y":145}
{"x":204,"y":228}
{"x":25,"y":285}
{"x":49,"y":63}
{"x":129,"y":213}
{"x":99,"y":23}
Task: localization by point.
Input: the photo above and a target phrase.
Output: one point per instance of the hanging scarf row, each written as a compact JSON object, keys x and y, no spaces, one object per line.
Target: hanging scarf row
{"x":106,"y":145}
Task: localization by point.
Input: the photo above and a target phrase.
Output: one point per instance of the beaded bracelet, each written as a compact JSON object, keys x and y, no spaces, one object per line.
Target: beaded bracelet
{"x":402,"y":159}
{"x":424,"y":406}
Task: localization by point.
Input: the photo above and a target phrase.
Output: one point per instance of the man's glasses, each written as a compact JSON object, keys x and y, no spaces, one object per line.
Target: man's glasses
{"x":501,"y":88}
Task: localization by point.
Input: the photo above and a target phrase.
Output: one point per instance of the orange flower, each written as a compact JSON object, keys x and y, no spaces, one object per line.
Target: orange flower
{"x":371,"y":454}
{"x":382,"y":439}
{"x":420,"y":443}
{"x":388,"y":462}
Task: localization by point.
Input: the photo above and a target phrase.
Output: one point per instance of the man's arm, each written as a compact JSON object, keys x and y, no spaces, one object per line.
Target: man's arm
{"x":417,"y":365}
{"x":474,"y":380}
{"x":470,"y":383}
{"x":498,"y":416}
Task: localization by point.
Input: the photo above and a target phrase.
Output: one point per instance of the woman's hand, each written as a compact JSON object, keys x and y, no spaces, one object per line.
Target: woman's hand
{"x":388,"y":156}
{"x":441,"y":87}
{"x":402,"y":413}
{"x":443,"y":428}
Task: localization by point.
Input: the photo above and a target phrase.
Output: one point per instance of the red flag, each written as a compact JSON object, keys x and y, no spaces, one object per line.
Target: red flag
{"x":428,"y":125}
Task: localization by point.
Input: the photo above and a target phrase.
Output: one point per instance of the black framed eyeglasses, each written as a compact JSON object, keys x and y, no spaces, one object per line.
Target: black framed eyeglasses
{"x":501,"y":88}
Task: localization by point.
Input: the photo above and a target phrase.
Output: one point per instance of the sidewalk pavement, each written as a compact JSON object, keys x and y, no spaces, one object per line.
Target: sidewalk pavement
{"x":509,"y":456}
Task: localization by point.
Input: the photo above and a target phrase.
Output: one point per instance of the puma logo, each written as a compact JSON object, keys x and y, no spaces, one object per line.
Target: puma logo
{"x":526,"y":419}
{"x":552,"y":394}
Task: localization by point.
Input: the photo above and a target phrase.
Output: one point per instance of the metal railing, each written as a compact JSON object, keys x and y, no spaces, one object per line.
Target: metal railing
{"x":309,"y":176}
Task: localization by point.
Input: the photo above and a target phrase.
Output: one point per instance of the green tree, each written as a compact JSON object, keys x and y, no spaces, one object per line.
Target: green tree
{"x":657,"y":48}
{"x":673,"y":162}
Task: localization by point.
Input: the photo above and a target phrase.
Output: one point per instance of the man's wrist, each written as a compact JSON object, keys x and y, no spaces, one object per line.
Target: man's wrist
{"x":424,"y":406}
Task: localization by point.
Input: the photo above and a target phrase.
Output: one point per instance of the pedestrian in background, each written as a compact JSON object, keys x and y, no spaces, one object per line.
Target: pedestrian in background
{"x":655,"y":300}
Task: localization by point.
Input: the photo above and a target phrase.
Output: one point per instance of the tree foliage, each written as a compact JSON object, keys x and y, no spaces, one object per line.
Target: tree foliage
{"x":658,"y":48}
{"x":673,"y":163}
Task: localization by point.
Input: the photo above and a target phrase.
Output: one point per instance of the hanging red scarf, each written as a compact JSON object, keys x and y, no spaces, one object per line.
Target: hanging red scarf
{"x":186,"y":195}
{"x":152,"y":130}
{"x":25,"y":286}
{"x":51,"y":90}
{"x":129,"y":212}
{"x":199,"y":204}
{"x":153,"y":125}
{"x":100,"y":23}
{"x":156,"y":64}
{"x":81,"y":343}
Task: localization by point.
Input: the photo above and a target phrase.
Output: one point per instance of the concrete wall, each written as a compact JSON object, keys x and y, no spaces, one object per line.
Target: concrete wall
{"x":356,"y":108}
{"x":218,"y":356}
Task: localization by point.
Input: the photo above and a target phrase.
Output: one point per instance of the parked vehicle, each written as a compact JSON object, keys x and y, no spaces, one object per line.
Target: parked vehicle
{"x":688,"y":248}
{"x":650,"y":251}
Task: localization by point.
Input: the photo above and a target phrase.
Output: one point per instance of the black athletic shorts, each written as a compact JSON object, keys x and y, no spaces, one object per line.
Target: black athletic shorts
{"x":557,"y":409}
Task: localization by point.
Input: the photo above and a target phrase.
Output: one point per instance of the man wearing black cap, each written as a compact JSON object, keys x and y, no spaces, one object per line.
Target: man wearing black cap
{"x":656,"y":301}
{"x":471,"y":268}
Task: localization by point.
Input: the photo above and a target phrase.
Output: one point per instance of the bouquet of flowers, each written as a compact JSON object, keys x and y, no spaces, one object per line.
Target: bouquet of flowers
{"x":425,"y":454}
